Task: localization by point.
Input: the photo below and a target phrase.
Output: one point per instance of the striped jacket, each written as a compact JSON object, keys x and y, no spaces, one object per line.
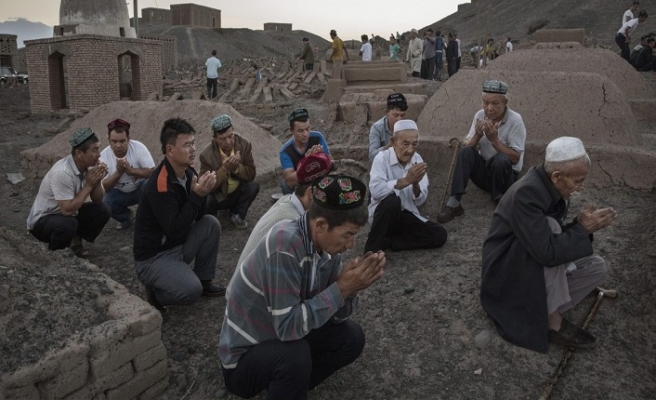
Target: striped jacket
{"x":282,"y":291}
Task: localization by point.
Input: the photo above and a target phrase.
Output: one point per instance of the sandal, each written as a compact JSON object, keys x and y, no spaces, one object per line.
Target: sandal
{"x":79,"y":251}
{"x":570,"y":335}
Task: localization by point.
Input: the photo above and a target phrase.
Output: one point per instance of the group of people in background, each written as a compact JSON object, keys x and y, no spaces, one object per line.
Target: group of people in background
{"x":641,"y":57}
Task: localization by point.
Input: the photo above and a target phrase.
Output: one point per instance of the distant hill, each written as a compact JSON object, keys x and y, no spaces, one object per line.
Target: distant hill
{"x":520,"y":18}
{"x":196,"y":44}
{"x":26,"y":30}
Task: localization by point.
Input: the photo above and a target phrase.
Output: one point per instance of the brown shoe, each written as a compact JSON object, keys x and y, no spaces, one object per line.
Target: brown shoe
{"x":570,"y":335}
{"x":448,"y":213}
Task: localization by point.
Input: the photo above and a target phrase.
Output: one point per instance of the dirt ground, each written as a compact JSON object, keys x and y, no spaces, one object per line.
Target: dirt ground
{"x":427,"y":335}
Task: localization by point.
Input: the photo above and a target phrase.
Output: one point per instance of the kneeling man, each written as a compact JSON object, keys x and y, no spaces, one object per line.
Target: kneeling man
{"x":398,"y":186}
{"x":534,"y":267}
{"x":286,"y":327}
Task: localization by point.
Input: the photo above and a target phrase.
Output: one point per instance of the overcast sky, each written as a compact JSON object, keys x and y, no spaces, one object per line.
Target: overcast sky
{"x":349,"y":18}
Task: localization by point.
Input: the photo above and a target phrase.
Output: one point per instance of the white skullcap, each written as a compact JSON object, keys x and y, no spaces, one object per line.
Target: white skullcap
{"x":413,"y":31}
{"x":564,"y":148}
{"x":405,"y":125}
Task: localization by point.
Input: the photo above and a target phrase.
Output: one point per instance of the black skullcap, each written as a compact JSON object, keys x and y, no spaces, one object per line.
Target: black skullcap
{"x":300,"y":113}
{"x":339,"y":192}
{"x":397,"y":100}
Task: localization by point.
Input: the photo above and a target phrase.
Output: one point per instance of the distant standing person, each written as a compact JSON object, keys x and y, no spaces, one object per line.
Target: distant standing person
{"x":308,"y":55}
{"x":365,"y":49}
{"x":428,"y":55}
{"x":452,"y":55}
{"x":339,"y":54}
{"x":629,"y":14}
{"x":213,"y":64}
{"x":509,"y":45}
{"x":623,"y":36}
{"x":129,"y":164}
{"x":394,"y":49}
{"x":455,"y":35}
{"x":414,"y":53}
{"x":439,"y":55}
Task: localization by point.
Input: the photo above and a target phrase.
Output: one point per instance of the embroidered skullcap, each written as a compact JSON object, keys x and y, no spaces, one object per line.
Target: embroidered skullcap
{"x":564,"y":149}
{"x":339,"y":192}
{"x":118,"y":124}
{"x":313,"y":167}
{"x":405,"y":125}
{"x":80,"y":136}
{"x":397,"y":100}
{"x":300,"y":113}
{"x":495,"y":86}
{"x":221,"y":123}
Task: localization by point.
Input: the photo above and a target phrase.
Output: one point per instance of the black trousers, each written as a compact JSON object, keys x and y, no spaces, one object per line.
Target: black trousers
{"x":58,"y":230}
{"x":452,"y":66}
{"x":458,"y":64}
{"x":494,"y":175}
{"x":624,"y":46}
{"x":396,"y":229}
{"x":237,"y":202}
{"x":212,"y":87}
{"x":428,"y":68}
{"x":288,"y":370}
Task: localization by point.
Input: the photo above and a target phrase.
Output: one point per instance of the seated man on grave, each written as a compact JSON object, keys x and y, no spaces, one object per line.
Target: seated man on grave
{"x":493,"y":152}
{"x":399,"y":185}
{"x":536,"y":267}
{"x":60,"y":215}
{"x":231,"y":157}
{"x":380,"y":134}
{"x":286,"y":327}
{"x":303,"y":143}
{"x":129,"y":164}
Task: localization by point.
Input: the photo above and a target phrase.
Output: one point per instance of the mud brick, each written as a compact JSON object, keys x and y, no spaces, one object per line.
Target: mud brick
{"x":115,"y":378}
{"x":142,"y":380}
{"x":155,"y":390}
{"x":110,"y":359}
{"x":69,"y":380}
{"x":53,"y":364}
{"x":149,"y":358}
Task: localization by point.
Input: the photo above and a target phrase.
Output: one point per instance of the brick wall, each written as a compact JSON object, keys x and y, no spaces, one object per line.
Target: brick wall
{"x":88,"y":68}
{"x":8,"y":48}
{"x":195,"y":15}
{"x":274,"y":26}
{"x":153,"y":15}
{"x":169,"y":50}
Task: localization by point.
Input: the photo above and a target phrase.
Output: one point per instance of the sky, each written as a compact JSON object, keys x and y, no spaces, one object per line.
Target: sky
{"x":350,"y":18}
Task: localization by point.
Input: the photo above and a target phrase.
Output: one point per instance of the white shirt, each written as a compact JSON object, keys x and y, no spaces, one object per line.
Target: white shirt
{"x":633,"y":24}
{"x":366,"y":51}
{"x":213,"y":64}
{"x":628,"y":16}
{"x":137,"y":156}
{"x":385,"y":172}
{"x":459,"y":53}
{"x":509,"y":46}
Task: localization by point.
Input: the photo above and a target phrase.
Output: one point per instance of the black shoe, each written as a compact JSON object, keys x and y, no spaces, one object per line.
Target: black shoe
{"x":212,"y":290}
{"x":448,"y":213}
{"x":570,"y":335}
{"x":152,"y":300}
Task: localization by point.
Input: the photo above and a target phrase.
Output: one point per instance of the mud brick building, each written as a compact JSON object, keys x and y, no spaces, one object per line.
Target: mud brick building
{"x":85,"y":71}
{"x":8,"y":48}
{"x":274,"y":26}
{"x":195,"y":15}
{"x":152,"y":15}
{"x":169,"y":50}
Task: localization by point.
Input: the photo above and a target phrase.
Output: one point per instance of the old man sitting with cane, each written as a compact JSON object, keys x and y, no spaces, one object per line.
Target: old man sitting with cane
{"x":535,"y":267}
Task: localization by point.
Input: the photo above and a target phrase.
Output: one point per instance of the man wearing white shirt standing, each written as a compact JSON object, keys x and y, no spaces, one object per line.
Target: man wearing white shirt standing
{"x":629,"y":14}
{"x":398,"y":185}
{"x":509,"y":45}
{"x":129,"y":164}
{"x":623,"y":36}
{"x":365,"y":49}
{"x":213,"y":64}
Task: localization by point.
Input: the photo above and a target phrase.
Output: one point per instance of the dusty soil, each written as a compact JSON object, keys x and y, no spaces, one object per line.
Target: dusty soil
{"x":427,"y":336}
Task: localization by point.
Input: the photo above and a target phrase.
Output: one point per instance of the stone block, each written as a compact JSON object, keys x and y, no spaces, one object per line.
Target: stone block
{"x":334,"y":90}
{"x":142,"y":380}
{"x":142,"y":318}
{"x":154,"y":391}
{"x":149,"y":358}
{"x":560,"y":35}
{"x":115,"y":378}
{"x":110,"y":359}
{"x":68,"y":381}
{"x":392,"y":74}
